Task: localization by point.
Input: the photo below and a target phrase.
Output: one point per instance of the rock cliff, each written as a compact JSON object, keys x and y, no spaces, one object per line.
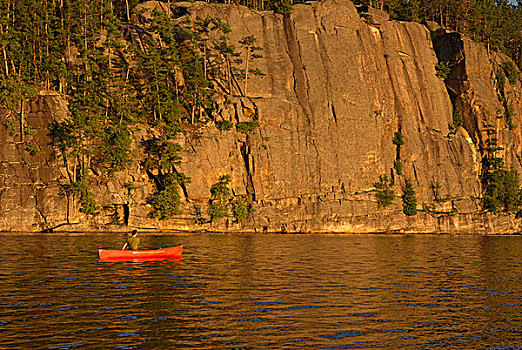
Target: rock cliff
{"x":337,"y":86}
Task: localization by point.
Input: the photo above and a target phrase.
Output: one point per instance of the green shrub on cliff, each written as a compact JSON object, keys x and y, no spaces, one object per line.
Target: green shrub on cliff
{"x":166,"y":202}
{"x":397,"y":165}
{"x":12,"y":129}
{"x":436,"y":192}
{"x":81,"y":188}
{"x":13,"y":90}
{"x":443,"y":70}
{"x":162,"y":159}
{"x":398,"y":138}
{"x":511,"y":71}
{"x":28,"y":130}
{"x":248,"y":43}
{"x":224,"y":125}
{"x":501,"y":83}
{"x":509,"y":116}
{"x":63,"y":134}
{"x":282,"y":7}
{"x":117,"y":148}
{"x":501,"y":187}
{"x":458,"y":120}
{"x":217,"y":210}
{"x":511,"y":192}
{"x":220,"y":189}
{"x":130,"y":187}
{"x":220,"y":193}
{"x":246,"y":127}
{"x":239,"y":209}
{"x":32,"y":148}
{"x":384,"y":193}
{"x":409,"y":199}
{"x":162,"y":154}
{"x":398,"y":141}
{"x":222,"y":199}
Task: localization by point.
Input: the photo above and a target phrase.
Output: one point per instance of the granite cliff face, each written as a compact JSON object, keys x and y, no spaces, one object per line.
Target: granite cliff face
{"x":336,"y":88}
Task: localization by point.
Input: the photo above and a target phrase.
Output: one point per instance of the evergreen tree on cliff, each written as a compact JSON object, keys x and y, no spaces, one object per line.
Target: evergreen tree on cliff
{"x":409,"y":199}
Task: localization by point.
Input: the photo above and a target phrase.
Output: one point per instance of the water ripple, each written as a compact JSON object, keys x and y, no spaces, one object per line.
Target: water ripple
{"x":228,"y":293}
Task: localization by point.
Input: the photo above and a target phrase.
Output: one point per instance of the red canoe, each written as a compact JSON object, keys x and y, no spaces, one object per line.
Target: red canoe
{"x":162,"y":253}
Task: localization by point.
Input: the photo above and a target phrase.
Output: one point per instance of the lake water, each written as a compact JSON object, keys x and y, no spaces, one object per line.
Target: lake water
{"x":263,"y":292}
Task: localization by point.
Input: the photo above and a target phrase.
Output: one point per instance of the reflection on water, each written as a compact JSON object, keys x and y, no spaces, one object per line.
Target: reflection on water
{"x":264,"y":291}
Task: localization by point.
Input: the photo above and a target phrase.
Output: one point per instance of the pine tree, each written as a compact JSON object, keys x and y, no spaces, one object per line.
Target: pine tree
{"x":409,"y":199}
{"x":196,"y":93}
{"x":239,"y":209}
{"x":501,"y":187}
{"x":248,"y":43}
{"x":163,"y":157}
{"x":384,"y":192}
{"x":220,"y":193}
{"x":116,"y":148}
{"x":225,"y":50}
{"x":203,"y":27}
{"x":160,"y":67}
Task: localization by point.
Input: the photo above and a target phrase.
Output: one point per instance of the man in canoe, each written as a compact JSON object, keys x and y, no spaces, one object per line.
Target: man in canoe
{"x":132,"y":242}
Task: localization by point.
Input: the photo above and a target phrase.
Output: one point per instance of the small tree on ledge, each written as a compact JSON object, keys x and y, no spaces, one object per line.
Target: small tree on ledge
{"x":220,"y":193}
{"x":409,"y":199}
{"x":385,"y":194}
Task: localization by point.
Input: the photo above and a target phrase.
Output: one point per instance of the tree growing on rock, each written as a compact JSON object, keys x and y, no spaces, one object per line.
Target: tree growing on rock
{"x":501,"y":187}
{"x":117,"y":148}
{"x":225,"y":51}
{"x":220,"y":194}
{"x":409,"y":199}
{"x":384,"y":194}
{"x":248,"y":43}
{"x":163,"y":157}
{"x":239,"y":209}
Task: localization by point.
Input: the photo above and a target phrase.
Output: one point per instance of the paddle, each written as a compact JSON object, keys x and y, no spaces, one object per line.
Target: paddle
{"x":124,"y":246}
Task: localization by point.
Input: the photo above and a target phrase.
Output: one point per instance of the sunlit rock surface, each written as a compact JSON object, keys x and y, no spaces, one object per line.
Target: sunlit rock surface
{"x":336,"y":88}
